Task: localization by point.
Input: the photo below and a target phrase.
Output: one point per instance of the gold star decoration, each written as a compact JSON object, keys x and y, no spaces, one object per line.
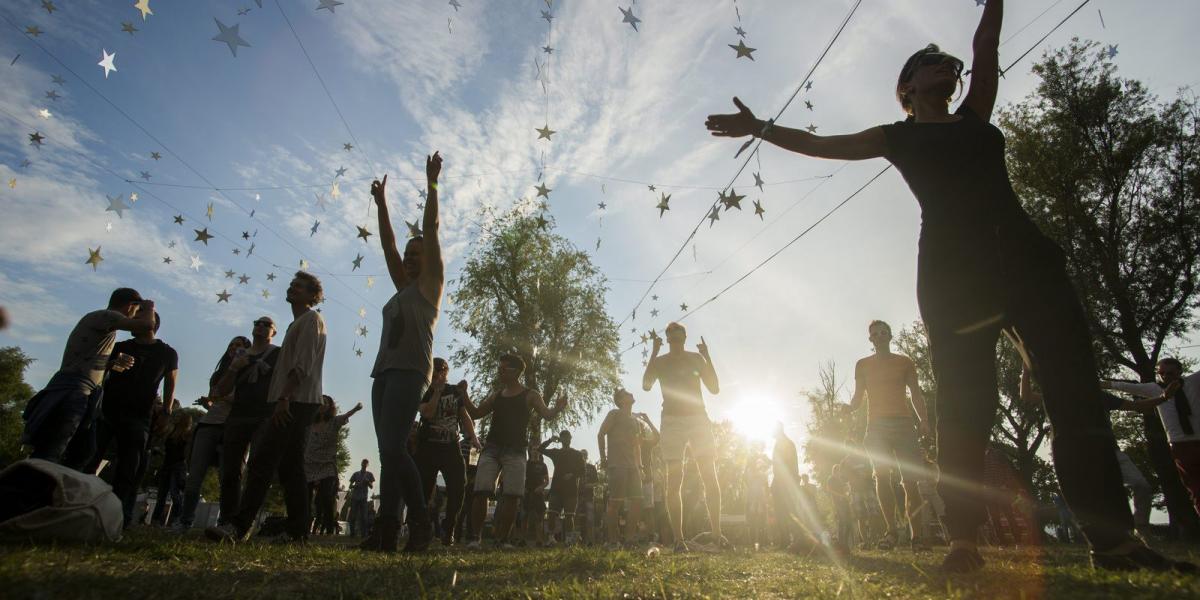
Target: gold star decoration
{"x":303,"y":265}
{"x":663,"y":204}
{"x":363,"y":233}
{"x":743,"y":50}
{"x":33,"y":30}
{"x":94,"y":258}
{"x":144,"y":7}
{"x":49,"y":6}
{"x":733,"y":200}
{"x":759,"y":210}
{"x":714,"y":216}
{"x":545,"y":132}
{"x":543,"y":191}
{"x":202,"y":235}
{"x":413,"y":229}
{"x":370,"y":282}
{"x":12,"y":183}
{"x":209,"y":212}
{"x":128,"y":27}
{"x":266,"y":293}
{"x":362,"y":312}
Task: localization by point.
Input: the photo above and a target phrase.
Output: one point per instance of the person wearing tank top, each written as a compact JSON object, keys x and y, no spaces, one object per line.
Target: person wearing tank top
{"x":510,"y":409}
{"x":892,"y":441}
{"x":984,"y":268}
{"x":403,"y":366}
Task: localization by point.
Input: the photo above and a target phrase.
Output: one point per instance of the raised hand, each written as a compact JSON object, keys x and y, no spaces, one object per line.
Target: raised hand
{"x":462,"y":386}
{"x":702,"y":348}
{"x":657,"y":344}
{"x":122,"y":362}
{"x":739,"y":124}
{"x":379,"y":190}
{"x":433,"y":167}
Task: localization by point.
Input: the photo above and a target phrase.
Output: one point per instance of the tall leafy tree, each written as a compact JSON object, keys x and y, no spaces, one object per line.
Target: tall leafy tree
{"x":14,"y":393}
{"x":1113,"y":175}
{"x":528,"y":291}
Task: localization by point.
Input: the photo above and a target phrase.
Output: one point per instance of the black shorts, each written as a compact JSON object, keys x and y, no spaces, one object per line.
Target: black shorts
{"x":564,"y":500}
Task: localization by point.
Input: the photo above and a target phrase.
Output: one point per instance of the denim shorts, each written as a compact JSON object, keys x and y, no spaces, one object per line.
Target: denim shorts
{"x":495,"y":461}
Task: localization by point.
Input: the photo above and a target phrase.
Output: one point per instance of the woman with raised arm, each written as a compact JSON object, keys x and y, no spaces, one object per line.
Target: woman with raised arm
{"x":983,"y":267}
{"x":404,"y":365}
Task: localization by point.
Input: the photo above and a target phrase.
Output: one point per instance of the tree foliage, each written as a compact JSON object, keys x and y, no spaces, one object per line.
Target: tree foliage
{"x":14,"y":393}
{"x":528,"y":291}
{"x":1113,"y":176}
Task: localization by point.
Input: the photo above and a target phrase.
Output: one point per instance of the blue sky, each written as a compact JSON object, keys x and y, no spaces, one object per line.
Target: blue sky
{"x":409,"y":79}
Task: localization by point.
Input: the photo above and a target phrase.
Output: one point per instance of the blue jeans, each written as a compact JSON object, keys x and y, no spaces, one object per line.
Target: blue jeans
{"x":395,"y":396}
{"x":170,"y":484}
{"x":206,"y":453}
{"x":130,"y":435}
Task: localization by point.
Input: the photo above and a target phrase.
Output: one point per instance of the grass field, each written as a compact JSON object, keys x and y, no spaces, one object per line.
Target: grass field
{"x":153,"y":564}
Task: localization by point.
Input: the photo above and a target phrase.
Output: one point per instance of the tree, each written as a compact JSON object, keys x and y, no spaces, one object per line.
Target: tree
{"x":528,"y":291}
{"x":14,"y":393}
{"x":832,"y":430}
{"x":1113,"y":176}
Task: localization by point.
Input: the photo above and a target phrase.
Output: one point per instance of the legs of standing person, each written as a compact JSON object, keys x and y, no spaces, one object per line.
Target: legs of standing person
{"x":269,"y":447}
{"x":512,"y":464}
{"x":1050,"y":324}
{"x":675,"y":496}
{"x":290,"y":468}
{"x":54,"y":437}
{"x":1187,"y":462}
{"x":1142,"y":492}
{"x":131,"y":436}
{"x":487,"y":472}
{"x":394,"y":399}
{"x":454,"y":471}
{"x":964,"y":366}
{"x":235,"y":441}
{"x":326,"y":505}
{"x":177,"y":476}
{"x":704,"y":450}
{"x":160,"y":505}
{"x":205,"y":453}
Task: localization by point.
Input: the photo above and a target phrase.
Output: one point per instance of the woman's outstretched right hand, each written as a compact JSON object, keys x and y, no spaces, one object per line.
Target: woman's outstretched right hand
{"x":379,"y":190}
{"x":739,"y":124}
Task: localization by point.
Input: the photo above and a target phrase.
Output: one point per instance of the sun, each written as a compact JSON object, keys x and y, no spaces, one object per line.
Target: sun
{"x":754,"y":418}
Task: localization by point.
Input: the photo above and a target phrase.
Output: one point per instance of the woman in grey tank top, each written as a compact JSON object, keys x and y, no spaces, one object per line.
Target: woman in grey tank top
{"x":404,"y":365}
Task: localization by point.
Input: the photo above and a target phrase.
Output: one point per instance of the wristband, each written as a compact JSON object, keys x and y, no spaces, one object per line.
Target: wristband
{"x":433,"y":185}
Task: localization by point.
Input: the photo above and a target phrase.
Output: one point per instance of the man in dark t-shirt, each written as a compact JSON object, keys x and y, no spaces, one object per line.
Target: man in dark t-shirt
{"x":564,"y":488}
{"x":131,"y":399}
{"x":443,"y":414}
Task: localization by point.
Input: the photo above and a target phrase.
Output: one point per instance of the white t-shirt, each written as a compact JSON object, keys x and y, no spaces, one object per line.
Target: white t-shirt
{"x":1166,"y":410}
{"x":303,"y":350}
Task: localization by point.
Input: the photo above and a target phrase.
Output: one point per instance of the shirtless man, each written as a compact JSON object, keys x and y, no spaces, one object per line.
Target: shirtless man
{"x":891,"y":433}
{"x":685,"y":423}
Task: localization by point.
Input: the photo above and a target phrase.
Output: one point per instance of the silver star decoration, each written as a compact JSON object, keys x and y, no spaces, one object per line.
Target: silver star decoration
{"x":229,"y":274}
{"x":335,"y":192}
{"x":167,"y":259}
{"x":683,"y":307}
{"x":362,"y":312}
{"x":328,"y":5}
{"x":341,"y":171}
{"x":663,"y":204}
{"x":94,"y":258}
{"x":237,"y":252}
{"x":654,"y":297}
{"x":25,"y":164}
{"x":107,"y":61}
{"x":652,"y":188}
{"x":303,"y":264}
{"x":370,"y":282}
{"x":128,"y":27}
{"x":361,"y":330}
{"x":144,"y":7}
{"x":53,"y":95}
{"x":313,"y":231}
{"x":542,"y":190}
{"x":195,"y":263}
{"x":57,"y":80}
{"x":266,"y":293}
{"x":270,"y":277}
{"x":741,"y":32}
{"x":629,"y":18}
{"x":179,"y":219}
{"x":36,"y":139}
{"x":49,"y":6}
{"x":33,"y":30}
{"x":171,"y":244}
{"x":202,"y":235}
{"x":545,"y":132}
{"x":357,"y":262}
{"x":358,"y":352}
{"x":363,"y":233}
{"x":547,"y":16}
{"x":347,"y":146}
{"x":759,"y":210}
{"x":758,"y":182}
{"x":654,"y":312}
{"x":743,"y":50}
{"x":811,"y":128}
{"x":117,"y":204}
{"x":455,"y":4}
{"x":155,"y":155}
{"x":230,"y":37}
{"x":714,"y":216}
{"x":243,"y":279}
{"x":223,"y":296}
{"x":133,"y":197}
{"x":602,"y":206}
{"x":107,"y":226}
{"x":245,"y":235}
{"x":542,"y":222}
{"x":1111,"y":51}
{"x":808,"y":105}
{"x":145,"y":175}
{"x":808,"y":86}
{"x":413,"y":229}
{"x":320,"y":200}
{"x":250,"y":251}
{"x":243,"y":12}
